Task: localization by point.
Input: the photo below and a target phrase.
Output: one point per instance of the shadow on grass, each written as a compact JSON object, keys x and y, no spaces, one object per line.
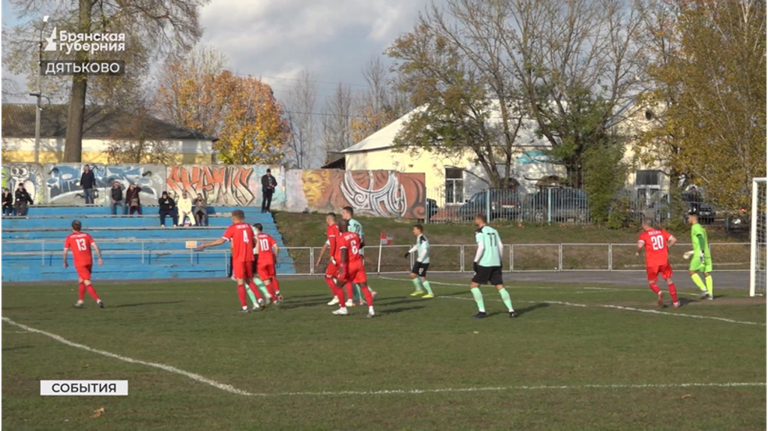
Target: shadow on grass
{"x":10,"y":349}
{"x":141,"y":304}
{"x":399,"y":310}
{"x":521,"y":311}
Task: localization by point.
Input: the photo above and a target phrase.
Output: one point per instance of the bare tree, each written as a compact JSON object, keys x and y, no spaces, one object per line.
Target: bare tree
{"x":300,"y":107}
{"x":337,"y":115}
{"x":152,"y":28}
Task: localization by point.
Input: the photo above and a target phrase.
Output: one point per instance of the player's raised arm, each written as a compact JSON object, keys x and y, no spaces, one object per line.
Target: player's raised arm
{"x":98,"y":252}
{"x":205,"y":245}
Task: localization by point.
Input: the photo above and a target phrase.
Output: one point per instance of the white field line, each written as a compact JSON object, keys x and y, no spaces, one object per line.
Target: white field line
{"x":615,"y":307}
{"x":231,"y":389}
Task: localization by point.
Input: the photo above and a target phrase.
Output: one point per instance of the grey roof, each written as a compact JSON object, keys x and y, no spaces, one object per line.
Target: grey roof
{"x":18,"y":121}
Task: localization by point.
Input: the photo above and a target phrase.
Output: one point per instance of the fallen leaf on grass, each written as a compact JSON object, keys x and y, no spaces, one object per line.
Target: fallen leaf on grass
{"x":687,"y":396}
{"x":476,"y":332}
{"x":97,"y":413}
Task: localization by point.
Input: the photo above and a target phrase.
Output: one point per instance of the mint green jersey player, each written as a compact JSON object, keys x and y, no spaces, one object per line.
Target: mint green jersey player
{"x":421,"y":249}
{"x":489,"y":247}
{"x":701,"y":261}
{"x":356,"y":227}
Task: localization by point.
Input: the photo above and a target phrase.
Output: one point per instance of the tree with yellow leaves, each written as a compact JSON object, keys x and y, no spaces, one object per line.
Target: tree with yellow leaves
{"x":707,"y":108}
{"x":198,"y":93}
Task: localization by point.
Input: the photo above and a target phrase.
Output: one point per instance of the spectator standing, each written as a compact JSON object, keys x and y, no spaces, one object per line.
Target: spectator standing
{"x":185,"y":209}
{"x":7,"y":202}
{"x":133,"y":200}
{"x":167,"y":208}
{"x":87,"y":182}
{"x":268,"y":185}
{"x":22,"y":201}
{"x":116,"y":196}
{"x":201,"y":210}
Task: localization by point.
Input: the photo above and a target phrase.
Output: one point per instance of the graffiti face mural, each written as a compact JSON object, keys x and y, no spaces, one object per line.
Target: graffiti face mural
{"x":375,"y":193}
{"x":63,"y":181}
{"x":30,"y":175}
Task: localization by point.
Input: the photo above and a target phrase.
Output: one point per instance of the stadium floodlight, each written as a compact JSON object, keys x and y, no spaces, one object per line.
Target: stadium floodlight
{"x":758,"y":282}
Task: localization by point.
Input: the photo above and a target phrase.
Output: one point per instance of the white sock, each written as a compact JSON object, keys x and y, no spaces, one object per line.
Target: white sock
{"x":245,"y":307}
{"x":370,"y":309}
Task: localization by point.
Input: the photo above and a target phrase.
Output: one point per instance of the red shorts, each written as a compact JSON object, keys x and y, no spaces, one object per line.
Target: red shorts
{"x":355,"y":273}
{"x":654,"y":271}
{"x":242,"y":270}
{"x":266,"y":271}
{"x":332,"y":270}
{"x":84,"y":271}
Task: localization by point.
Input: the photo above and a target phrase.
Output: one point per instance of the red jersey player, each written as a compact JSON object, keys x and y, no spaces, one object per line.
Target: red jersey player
{"x":267,"y":250}
{"x":240,"y":235}
{"x":332,"y":244}
{"x":656,"y":243}
{"x":80,"y":243}
{"x":351,"y":268}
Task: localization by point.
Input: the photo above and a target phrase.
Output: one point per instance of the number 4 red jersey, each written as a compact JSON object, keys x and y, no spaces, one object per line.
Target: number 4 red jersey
{"x":80,"y":244}
{"x":656,"y":252}
{"x":265,"y":244}
{"x":351,"y":242}
{"x":241,"y":236}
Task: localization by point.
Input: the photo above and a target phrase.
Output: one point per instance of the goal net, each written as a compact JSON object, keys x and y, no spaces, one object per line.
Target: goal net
{"x":759,"y":246}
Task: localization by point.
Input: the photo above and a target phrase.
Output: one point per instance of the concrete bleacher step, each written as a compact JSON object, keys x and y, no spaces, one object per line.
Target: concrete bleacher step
{"x":134,"y":247}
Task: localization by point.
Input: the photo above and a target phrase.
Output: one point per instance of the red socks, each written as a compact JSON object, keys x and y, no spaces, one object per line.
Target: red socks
{"x":241,"y":294}
{"x":672,"y":291}
{"x":368,"y":295}
{"x":276,"y":284}
{"x":339,"y":292}
{"x":92,"y":292}
{"x":271,"y":289}
{"x":350,"y":292}
{"x":331,"y":285}
{"x":655,"y":287}
{"x":254,"y":289}
{"x":81,"y":292}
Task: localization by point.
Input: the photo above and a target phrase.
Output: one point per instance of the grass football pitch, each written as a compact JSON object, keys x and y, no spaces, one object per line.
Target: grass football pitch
{"x":577,"y":357}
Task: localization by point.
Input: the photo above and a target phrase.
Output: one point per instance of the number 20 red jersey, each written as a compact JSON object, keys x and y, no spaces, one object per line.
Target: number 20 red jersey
{"x":656,"y":252}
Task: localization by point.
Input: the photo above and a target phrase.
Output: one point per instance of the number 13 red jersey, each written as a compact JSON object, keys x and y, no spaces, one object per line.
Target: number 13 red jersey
{"x":80,"y":244}
{"x":656,"y":253}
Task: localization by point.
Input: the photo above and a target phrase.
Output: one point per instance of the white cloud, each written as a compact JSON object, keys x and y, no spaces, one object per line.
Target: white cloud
{"x":334,"y":39}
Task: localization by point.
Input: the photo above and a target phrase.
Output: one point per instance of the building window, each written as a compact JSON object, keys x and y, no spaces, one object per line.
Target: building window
{"x":648,"y":178}
{"x":454,"y":186}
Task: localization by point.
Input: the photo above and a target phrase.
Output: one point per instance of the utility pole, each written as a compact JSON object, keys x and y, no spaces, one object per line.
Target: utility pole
{"x":38,"y":95}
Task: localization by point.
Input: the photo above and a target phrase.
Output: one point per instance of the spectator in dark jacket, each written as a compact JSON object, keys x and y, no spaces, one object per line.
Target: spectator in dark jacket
{"x":132,"y":199}
{"x":7,"y":202}
{"x":167,"y":208}
{"x":87,"y":182}
{"x":22,"y":201}
{"x":116,"y":199}
{"x":268,"y":184}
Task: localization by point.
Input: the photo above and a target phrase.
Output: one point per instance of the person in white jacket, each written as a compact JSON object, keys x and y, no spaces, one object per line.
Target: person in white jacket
{"x":185,"y":209}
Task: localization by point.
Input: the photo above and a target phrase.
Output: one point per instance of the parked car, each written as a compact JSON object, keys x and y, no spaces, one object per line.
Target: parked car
{"x":504,"y":204}
{"x":566,"y":204}
{"x":706,"y":211}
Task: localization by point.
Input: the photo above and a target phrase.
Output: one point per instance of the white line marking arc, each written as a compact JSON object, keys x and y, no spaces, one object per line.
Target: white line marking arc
{"x":231,"y":389}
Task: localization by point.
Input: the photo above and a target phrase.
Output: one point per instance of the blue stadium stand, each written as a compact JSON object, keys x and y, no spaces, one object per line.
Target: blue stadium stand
{"x":133,"y":247}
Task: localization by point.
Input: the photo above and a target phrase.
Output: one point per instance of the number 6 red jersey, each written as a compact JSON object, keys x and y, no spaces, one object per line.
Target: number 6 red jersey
{"x":351,"y":242}
{"x":80,"y":244}
{"x":656,"y":253}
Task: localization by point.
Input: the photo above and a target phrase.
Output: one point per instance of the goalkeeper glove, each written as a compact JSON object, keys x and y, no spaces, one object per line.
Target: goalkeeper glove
{"x":407,"y":254}
{"x":701,"y":256}
{"x":475,"y":266}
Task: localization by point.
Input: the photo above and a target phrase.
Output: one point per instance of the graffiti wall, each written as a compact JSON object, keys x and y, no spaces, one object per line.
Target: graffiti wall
{"x":62,"y":181}
{"x":374,"y":193}
{"x":225,"y":185}
{"x":28,"y":174}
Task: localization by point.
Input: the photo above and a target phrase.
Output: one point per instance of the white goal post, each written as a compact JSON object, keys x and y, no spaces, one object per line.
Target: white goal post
{"x":758,"y":281}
